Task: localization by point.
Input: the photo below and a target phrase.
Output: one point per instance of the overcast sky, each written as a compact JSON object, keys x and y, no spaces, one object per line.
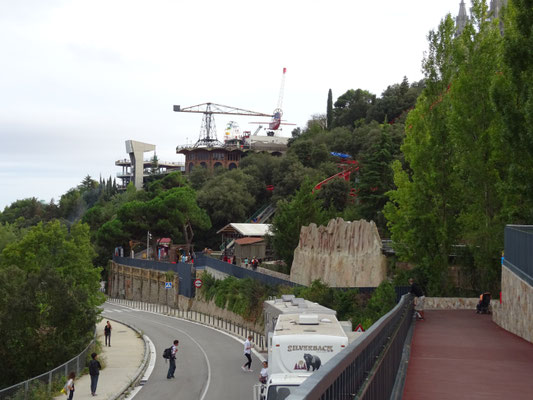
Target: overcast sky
{"x":79,"y":78}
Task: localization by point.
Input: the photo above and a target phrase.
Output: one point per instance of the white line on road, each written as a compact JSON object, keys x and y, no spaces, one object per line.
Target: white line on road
{"x":199,"y":346}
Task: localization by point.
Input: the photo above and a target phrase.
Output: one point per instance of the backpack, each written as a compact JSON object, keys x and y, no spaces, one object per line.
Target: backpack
{"x":167,"y":353}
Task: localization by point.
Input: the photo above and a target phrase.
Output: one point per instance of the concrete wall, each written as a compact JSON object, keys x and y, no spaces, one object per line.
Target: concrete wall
{"x":450,"y":303}
{"x":515,"y":314}
{"x":142,"y":284}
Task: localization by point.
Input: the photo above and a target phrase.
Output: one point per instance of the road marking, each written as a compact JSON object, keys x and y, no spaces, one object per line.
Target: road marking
{"x":194,"y":340}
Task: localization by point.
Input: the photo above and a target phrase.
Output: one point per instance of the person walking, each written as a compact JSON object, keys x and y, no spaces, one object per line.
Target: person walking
{"x":107,"y":334}
{"x":248,"y":354}
{"x":94,"y":371}
{"x":172,"y":359}
{"x":419,"y":302}
{"x":69,"y":386}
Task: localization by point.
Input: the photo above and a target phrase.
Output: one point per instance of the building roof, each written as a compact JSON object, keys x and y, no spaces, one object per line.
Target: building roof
{"x":258,"y":230}
{"x":248,"y":240}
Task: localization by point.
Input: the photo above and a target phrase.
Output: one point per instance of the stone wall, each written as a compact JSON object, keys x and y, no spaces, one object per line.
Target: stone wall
{"x":341,"y":254}
{"x":200,"y":305}
{"x":140,"y":284}
{"x":450,"y":303}
{"x":515,"y":314}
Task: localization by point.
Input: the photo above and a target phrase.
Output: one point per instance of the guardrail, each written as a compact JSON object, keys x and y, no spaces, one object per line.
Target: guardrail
{"x":22,"y":389}
{"x":519,"y":251}
{"x":367,"y":368}
{"x":198,"y":317}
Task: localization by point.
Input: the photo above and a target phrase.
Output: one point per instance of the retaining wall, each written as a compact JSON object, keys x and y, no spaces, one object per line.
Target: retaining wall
{"x":515,"y":314}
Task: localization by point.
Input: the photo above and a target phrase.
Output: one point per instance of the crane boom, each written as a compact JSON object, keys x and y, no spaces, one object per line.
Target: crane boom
{"x":213,"y":108}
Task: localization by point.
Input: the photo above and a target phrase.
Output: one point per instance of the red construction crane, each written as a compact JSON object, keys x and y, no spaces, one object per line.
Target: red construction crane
{"x":276,"y":121}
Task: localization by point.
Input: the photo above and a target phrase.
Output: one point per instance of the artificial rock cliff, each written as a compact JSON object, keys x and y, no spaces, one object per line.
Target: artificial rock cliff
{"x":341,"y":254}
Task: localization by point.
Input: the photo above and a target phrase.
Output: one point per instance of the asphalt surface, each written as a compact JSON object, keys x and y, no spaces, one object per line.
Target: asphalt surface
{"x":208,"y":364}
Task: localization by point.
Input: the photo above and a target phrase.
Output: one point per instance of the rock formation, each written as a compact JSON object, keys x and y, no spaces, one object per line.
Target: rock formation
{"x":341,"y":254}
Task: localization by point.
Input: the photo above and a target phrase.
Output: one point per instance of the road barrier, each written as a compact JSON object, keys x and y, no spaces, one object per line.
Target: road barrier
{"x":368,"y":367}
{"x":213,"y":321}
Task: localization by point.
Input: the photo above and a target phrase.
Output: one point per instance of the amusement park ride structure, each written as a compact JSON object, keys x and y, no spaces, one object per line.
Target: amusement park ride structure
{"x":276,"y":121}
{"x":208,"y":136}
{"x":347,"y":166}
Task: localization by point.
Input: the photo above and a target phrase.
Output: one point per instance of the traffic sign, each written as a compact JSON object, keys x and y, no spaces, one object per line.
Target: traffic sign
{"x":198,"y":283}
{"x":359,"y":328}
{"x":168,"y":285}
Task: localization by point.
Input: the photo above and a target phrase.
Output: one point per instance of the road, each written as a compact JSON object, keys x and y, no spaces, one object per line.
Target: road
{"x":208,"y":362}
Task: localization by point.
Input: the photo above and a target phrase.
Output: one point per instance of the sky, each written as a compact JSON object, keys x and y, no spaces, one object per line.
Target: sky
{"x":80,"y":77}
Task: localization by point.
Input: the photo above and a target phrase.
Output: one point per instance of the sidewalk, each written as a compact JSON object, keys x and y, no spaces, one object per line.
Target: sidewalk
{"x":458,"y":354}
{"x":121,"y":360}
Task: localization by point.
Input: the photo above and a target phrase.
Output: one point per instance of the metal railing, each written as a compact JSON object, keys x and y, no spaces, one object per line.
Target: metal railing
{"x":518,"y":254}
{"x":22,"y":389}
{"x":367,"y":368}
{"x":198,"y":317}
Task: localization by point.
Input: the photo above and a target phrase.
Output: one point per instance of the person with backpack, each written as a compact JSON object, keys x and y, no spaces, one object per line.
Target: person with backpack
{"x":69,"y":386}
{"x":94,"y":371}
{"x":170,"y":355}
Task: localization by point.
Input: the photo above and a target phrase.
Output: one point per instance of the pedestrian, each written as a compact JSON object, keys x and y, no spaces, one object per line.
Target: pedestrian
{"x":234,"y":260}
{"x":246,"y":262}
{"x":94,"y":371}
{"x":172,"y":359}
{"x":107,"y":334}
{"x":419,"y":301}
{"x":263,"y":376}
{"x":69,"y":386}
{"x":248,"y":354}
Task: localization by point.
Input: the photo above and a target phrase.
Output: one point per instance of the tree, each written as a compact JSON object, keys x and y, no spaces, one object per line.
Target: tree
{"x":49,"y":293}
{"x":229,"y":198}
{"x":24,"y":213}
{"x":329,"y":111}
{"x":422,"y":213}
{"x":512,"y":93}
{"x":352,"y":107}
{"x":376,"y":178}
{"x":301,"y":210}
{"x":479,"y":162}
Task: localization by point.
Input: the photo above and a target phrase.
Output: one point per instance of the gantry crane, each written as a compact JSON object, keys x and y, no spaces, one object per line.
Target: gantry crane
{"x":208,"y":135}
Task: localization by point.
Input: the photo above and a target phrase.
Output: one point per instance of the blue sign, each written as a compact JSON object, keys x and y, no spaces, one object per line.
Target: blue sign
{"x":168,"y":285}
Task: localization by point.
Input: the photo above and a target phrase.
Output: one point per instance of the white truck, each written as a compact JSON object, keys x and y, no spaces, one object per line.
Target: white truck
{"x":299,"y":345}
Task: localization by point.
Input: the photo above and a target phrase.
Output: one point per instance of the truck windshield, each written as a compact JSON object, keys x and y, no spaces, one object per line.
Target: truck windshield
{"x":279,"y":392}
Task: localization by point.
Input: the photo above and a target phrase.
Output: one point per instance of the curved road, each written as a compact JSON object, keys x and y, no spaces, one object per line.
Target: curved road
{"x":208,"y":365}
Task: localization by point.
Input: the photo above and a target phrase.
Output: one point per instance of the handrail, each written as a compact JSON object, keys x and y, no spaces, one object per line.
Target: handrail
{"x":355,"y":372}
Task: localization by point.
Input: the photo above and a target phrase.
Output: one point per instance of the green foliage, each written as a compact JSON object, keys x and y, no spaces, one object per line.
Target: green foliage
{"x":382,"y":301}
{"x":229,"y":197}
{"x":49,"y":293}
{"x":329,"y":111}
{"x":302,"y":210}
{"x":28,"y":212}
{"x":245,"y":297}
{"x":242,"y":296}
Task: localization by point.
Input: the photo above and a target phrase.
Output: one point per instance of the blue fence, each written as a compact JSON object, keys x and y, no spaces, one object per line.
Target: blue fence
{"x":202,"y":260}
{"x":185,"y":271}
{"x":519,"y":251}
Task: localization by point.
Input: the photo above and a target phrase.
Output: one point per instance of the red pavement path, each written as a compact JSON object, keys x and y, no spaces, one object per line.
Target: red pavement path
{"x":463,"y":355}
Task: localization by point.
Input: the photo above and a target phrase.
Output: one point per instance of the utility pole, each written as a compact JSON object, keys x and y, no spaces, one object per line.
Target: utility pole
{"x":148,"y":237}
